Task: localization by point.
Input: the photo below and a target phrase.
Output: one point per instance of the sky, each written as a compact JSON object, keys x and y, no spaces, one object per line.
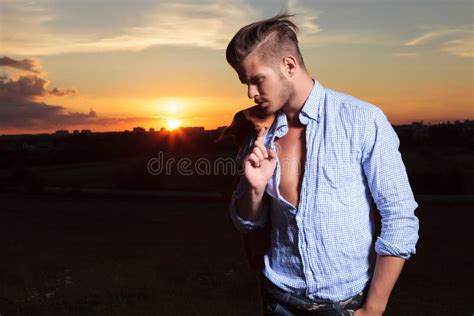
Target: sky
{"x":114,"y":65}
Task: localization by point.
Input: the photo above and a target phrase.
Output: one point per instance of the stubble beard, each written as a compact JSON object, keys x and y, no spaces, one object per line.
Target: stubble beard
{"x":288,"y":92}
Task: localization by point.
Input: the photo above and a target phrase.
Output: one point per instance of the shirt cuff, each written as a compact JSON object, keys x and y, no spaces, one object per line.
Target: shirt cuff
{"x":384,"y":248}
{"x":245,"y":225}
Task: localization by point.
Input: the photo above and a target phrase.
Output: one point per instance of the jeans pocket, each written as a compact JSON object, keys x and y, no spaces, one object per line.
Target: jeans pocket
{"x":349,"y":306}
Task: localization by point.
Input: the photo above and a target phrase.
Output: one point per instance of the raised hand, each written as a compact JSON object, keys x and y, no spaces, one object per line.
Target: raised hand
{"x":260,"y":164}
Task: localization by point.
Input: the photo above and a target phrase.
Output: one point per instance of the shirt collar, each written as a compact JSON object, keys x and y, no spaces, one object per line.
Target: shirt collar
{"x":312,"y":106}
{"x":279,"y":127}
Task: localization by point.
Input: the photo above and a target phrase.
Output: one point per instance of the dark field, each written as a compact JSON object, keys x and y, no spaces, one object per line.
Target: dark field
{"x":91,"y":255}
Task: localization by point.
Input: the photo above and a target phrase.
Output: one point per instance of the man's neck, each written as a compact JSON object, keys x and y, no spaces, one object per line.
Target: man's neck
{"x":293,"y":107}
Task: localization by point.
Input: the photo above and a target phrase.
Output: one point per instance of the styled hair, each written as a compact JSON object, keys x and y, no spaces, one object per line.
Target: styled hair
{"x":269,"y":38}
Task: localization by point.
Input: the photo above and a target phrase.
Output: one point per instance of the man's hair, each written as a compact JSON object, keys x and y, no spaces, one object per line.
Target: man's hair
{"x":269,"y":38}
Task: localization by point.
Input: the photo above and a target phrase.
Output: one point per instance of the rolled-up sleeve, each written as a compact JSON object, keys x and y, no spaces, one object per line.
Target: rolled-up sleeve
{"x":243,"y":225}
{"x":390,"y":189}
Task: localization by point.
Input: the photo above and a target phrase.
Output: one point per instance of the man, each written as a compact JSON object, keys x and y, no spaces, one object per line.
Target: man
{"x":314,"y":173}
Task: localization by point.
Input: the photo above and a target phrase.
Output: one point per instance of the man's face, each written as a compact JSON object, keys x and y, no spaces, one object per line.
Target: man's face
{"x":267,"y":85}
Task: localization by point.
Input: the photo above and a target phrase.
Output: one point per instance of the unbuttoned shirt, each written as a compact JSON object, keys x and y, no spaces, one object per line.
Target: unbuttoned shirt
{"x":323,"y":248}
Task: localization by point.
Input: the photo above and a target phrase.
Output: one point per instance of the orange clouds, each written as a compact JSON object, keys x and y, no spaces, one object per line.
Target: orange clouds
{"x":23,"y":110}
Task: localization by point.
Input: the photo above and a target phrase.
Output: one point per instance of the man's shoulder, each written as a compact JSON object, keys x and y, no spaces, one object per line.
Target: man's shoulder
{"x":350,"y":115}
{"x":345,"y":103}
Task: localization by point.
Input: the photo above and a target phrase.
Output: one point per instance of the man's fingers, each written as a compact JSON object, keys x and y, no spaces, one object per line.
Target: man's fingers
{"x":261,"y":135}
{"x":254,"y":160}
{"x":271,"y":154}
{"x":260,"y":151}
{"x":259,"y":142}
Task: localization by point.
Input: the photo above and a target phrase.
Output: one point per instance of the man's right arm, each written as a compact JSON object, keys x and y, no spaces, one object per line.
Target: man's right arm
{"x":248,"y":206}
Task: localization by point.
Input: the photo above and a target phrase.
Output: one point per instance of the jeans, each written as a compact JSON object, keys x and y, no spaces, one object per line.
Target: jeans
{"x":278,"y":302}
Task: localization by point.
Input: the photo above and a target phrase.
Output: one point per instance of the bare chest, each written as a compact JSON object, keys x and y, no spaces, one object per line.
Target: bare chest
{"x":291,"y":155}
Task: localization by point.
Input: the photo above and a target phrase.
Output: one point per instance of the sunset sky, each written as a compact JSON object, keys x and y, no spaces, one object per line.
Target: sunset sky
{"x":114,"y":65}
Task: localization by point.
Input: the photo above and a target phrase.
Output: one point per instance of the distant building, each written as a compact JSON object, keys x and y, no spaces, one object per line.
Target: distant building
{"x":151,"y":130}
{"x":61,"y":133}
{"x":139,"y":130}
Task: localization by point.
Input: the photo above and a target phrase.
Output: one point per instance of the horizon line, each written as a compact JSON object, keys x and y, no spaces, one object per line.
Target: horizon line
{"x":65,"y":132}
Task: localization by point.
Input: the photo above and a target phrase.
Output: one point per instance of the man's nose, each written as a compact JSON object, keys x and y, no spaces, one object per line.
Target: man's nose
{"x":252,"y":91}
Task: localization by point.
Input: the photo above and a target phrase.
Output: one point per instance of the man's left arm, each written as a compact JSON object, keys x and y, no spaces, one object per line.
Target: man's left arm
{"x":388,"y":181}
{"x":387,"y":270}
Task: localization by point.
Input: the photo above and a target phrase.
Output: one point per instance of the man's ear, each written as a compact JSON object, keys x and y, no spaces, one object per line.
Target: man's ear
{"x":289,"y":65}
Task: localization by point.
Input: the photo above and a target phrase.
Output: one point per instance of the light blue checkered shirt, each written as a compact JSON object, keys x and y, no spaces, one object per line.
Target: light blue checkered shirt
{"x":324,"y":247}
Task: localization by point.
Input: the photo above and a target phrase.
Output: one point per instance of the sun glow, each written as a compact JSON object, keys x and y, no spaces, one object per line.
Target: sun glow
{"x":171,"y":105}
{"x":173,"y":123}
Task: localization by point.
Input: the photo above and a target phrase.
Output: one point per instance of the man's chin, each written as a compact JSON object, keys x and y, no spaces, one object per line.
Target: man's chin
{"x":267,"y":110}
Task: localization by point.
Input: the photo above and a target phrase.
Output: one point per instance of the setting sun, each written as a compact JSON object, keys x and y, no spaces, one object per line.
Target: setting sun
{"x":173,"y":123}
